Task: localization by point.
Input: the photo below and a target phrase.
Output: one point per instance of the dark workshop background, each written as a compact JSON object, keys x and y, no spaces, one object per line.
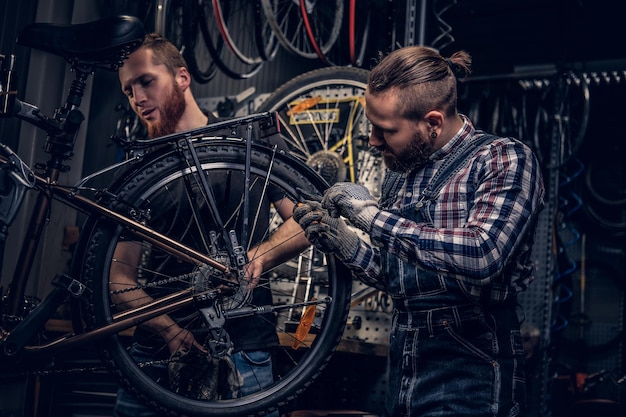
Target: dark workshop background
{"x":527,"y":54}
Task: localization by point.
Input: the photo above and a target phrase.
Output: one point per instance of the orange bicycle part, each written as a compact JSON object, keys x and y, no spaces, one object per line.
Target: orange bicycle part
{"x":306,"y":321}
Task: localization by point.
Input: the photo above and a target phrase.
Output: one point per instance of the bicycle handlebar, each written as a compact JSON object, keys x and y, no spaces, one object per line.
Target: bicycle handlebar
{"x":29,"y":113}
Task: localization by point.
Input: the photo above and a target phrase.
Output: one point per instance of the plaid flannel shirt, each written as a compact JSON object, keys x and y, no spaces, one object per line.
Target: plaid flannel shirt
{"x":483,"y":221}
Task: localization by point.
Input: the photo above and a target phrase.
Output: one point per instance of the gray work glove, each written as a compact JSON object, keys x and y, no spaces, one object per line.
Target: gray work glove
{"x":330,"y":235}
{"x":352,"y":201}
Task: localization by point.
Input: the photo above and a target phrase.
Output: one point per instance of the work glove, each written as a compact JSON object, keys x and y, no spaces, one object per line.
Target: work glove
{"x":352,"y":201}
{"x":329,"y":234}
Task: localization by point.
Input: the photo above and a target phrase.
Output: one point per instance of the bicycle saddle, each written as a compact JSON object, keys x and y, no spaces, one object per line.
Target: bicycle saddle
{"x":102,"y":43}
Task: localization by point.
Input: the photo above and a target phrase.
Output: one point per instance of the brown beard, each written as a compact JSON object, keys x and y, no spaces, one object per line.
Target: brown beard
{"x":170,"y":113}
{"x":415,"y":155}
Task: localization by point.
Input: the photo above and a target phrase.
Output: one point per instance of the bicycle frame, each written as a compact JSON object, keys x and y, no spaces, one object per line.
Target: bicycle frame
{"x":48,"y":189}
{"x":167,"y":243}
{"x":61,"y":133}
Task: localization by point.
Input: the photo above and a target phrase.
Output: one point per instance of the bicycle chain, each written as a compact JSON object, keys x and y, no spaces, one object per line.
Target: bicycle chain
{"x":179,"y":278}
{"x":79,"y":370}
{"x":75,"y":371}
{"x":155,"y":283}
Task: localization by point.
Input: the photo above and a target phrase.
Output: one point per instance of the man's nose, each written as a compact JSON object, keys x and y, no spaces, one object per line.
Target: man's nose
{"x":374,"y":140}
{"x":139,"y":97}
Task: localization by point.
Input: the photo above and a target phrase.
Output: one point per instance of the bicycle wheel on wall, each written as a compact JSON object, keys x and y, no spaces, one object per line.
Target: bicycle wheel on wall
{"x":164,"y":192}
{"x":201,"y":63}
{"x":245,"y":30}
{"x":322,"y":117}
{"x":324,"y":24}
{"x":218,"y":43}
{"x":170,"y":21}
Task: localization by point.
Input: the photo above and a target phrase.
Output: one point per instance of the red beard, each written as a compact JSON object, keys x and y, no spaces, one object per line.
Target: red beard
{"x":170,"y":113}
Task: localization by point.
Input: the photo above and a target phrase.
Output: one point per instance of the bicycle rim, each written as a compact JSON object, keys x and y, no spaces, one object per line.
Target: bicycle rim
{"x":200,"y":62}
{"x":174,"y":25}
{"x":245,"y":31}
{"x":285,"y":18}
{"x":358,"y":32}
{"x":225,"y":61}
{"x":162,"y":179}
{"x":322,"y":23}
{"x":323,"y":121}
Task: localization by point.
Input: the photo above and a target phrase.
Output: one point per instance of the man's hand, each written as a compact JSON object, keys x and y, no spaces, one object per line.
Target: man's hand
{"x":253,"y":270}
{"x":352,"y":201}
{"x":328,"y":234}
{"x":180,"y":339}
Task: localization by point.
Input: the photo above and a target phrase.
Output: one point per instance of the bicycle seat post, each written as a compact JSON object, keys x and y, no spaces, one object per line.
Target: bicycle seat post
{"x":101,"y":44}
{"x":61,"y":144}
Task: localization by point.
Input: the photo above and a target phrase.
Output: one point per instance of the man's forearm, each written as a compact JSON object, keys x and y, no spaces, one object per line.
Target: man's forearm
{"x":285,"y":243}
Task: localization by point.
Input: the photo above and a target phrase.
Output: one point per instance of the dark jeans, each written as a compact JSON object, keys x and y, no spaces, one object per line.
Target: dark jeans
{"x":255,"y":368}
{"x":463,"y":361}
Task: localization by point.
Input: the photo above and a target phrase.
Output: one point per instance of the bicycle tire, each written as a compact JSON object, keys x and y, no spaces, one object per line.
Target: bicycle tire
{"x":252,"y":39}
{"x":568,"y":117}
{"x":605,"y":178}
{"x":325,"y":20}
{"x":145,"y":184}
{"x":358,"y":33}
{"x":226,"y":62}
{"x":322,"y":28}
{"x":172,"y":24}
{"x":199,"y":61}
{"x":311,"y":139}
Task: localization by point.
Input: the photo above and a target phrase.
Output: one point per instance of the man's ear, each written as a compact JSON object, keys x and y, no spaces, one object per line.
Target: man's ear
{"x":183,"y":78}
{"x":435,"y":119}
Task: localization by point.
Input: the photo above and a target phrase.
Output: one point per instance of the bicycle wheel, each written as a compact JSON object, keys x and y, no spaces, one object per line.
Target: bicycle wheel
{"x":324,"y":24}
{"x":200,"y":62}
{"x":358,"y":32}
{"x":170,"y":22}
{"x":565,"y":113}
{"x":323,"y":121}
{"x":165,"y":190}
{"x":226,"y":62}
{"x":322,"y":27}
{"x":245,"y":30}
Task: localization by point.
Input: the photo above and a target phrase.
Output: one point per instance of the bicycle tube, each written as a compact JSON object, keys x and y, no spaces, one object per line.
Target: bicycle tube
{"x":322,"y":118}
{"x":162,"y":179}
{"x":567,"y":117}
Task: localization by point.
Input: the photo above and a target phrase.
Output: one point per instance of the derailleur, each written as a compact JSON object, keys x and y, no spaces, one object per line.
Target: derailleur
{"x":218,"y":341}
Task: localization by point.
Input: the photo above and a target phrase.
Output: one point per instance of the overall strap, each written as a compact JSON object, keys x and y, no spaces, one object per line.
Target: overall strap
{"x":453,"y":163}
{"x":393,"y":181}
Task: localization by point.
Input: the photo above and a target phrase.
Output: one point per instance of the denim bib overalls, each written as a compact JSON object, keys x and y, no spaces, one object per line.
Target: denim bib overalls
{"x":450,"y":354}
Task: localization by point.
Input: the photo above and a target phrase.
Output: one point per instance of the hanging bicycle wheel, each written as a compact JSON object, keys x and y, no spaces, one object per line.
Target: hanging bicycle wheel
{"x":604,"y":193}
{"x":170,"y":21}
{"x":358,"y":32}
{"x":245,"y":30}
{"x":216,"y":43}
{"x":165,"y":194}
{"x":322,"y":25}
{"x":564,"y":112}
{"x":323,"y":121}
{"x":199,"y":60}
